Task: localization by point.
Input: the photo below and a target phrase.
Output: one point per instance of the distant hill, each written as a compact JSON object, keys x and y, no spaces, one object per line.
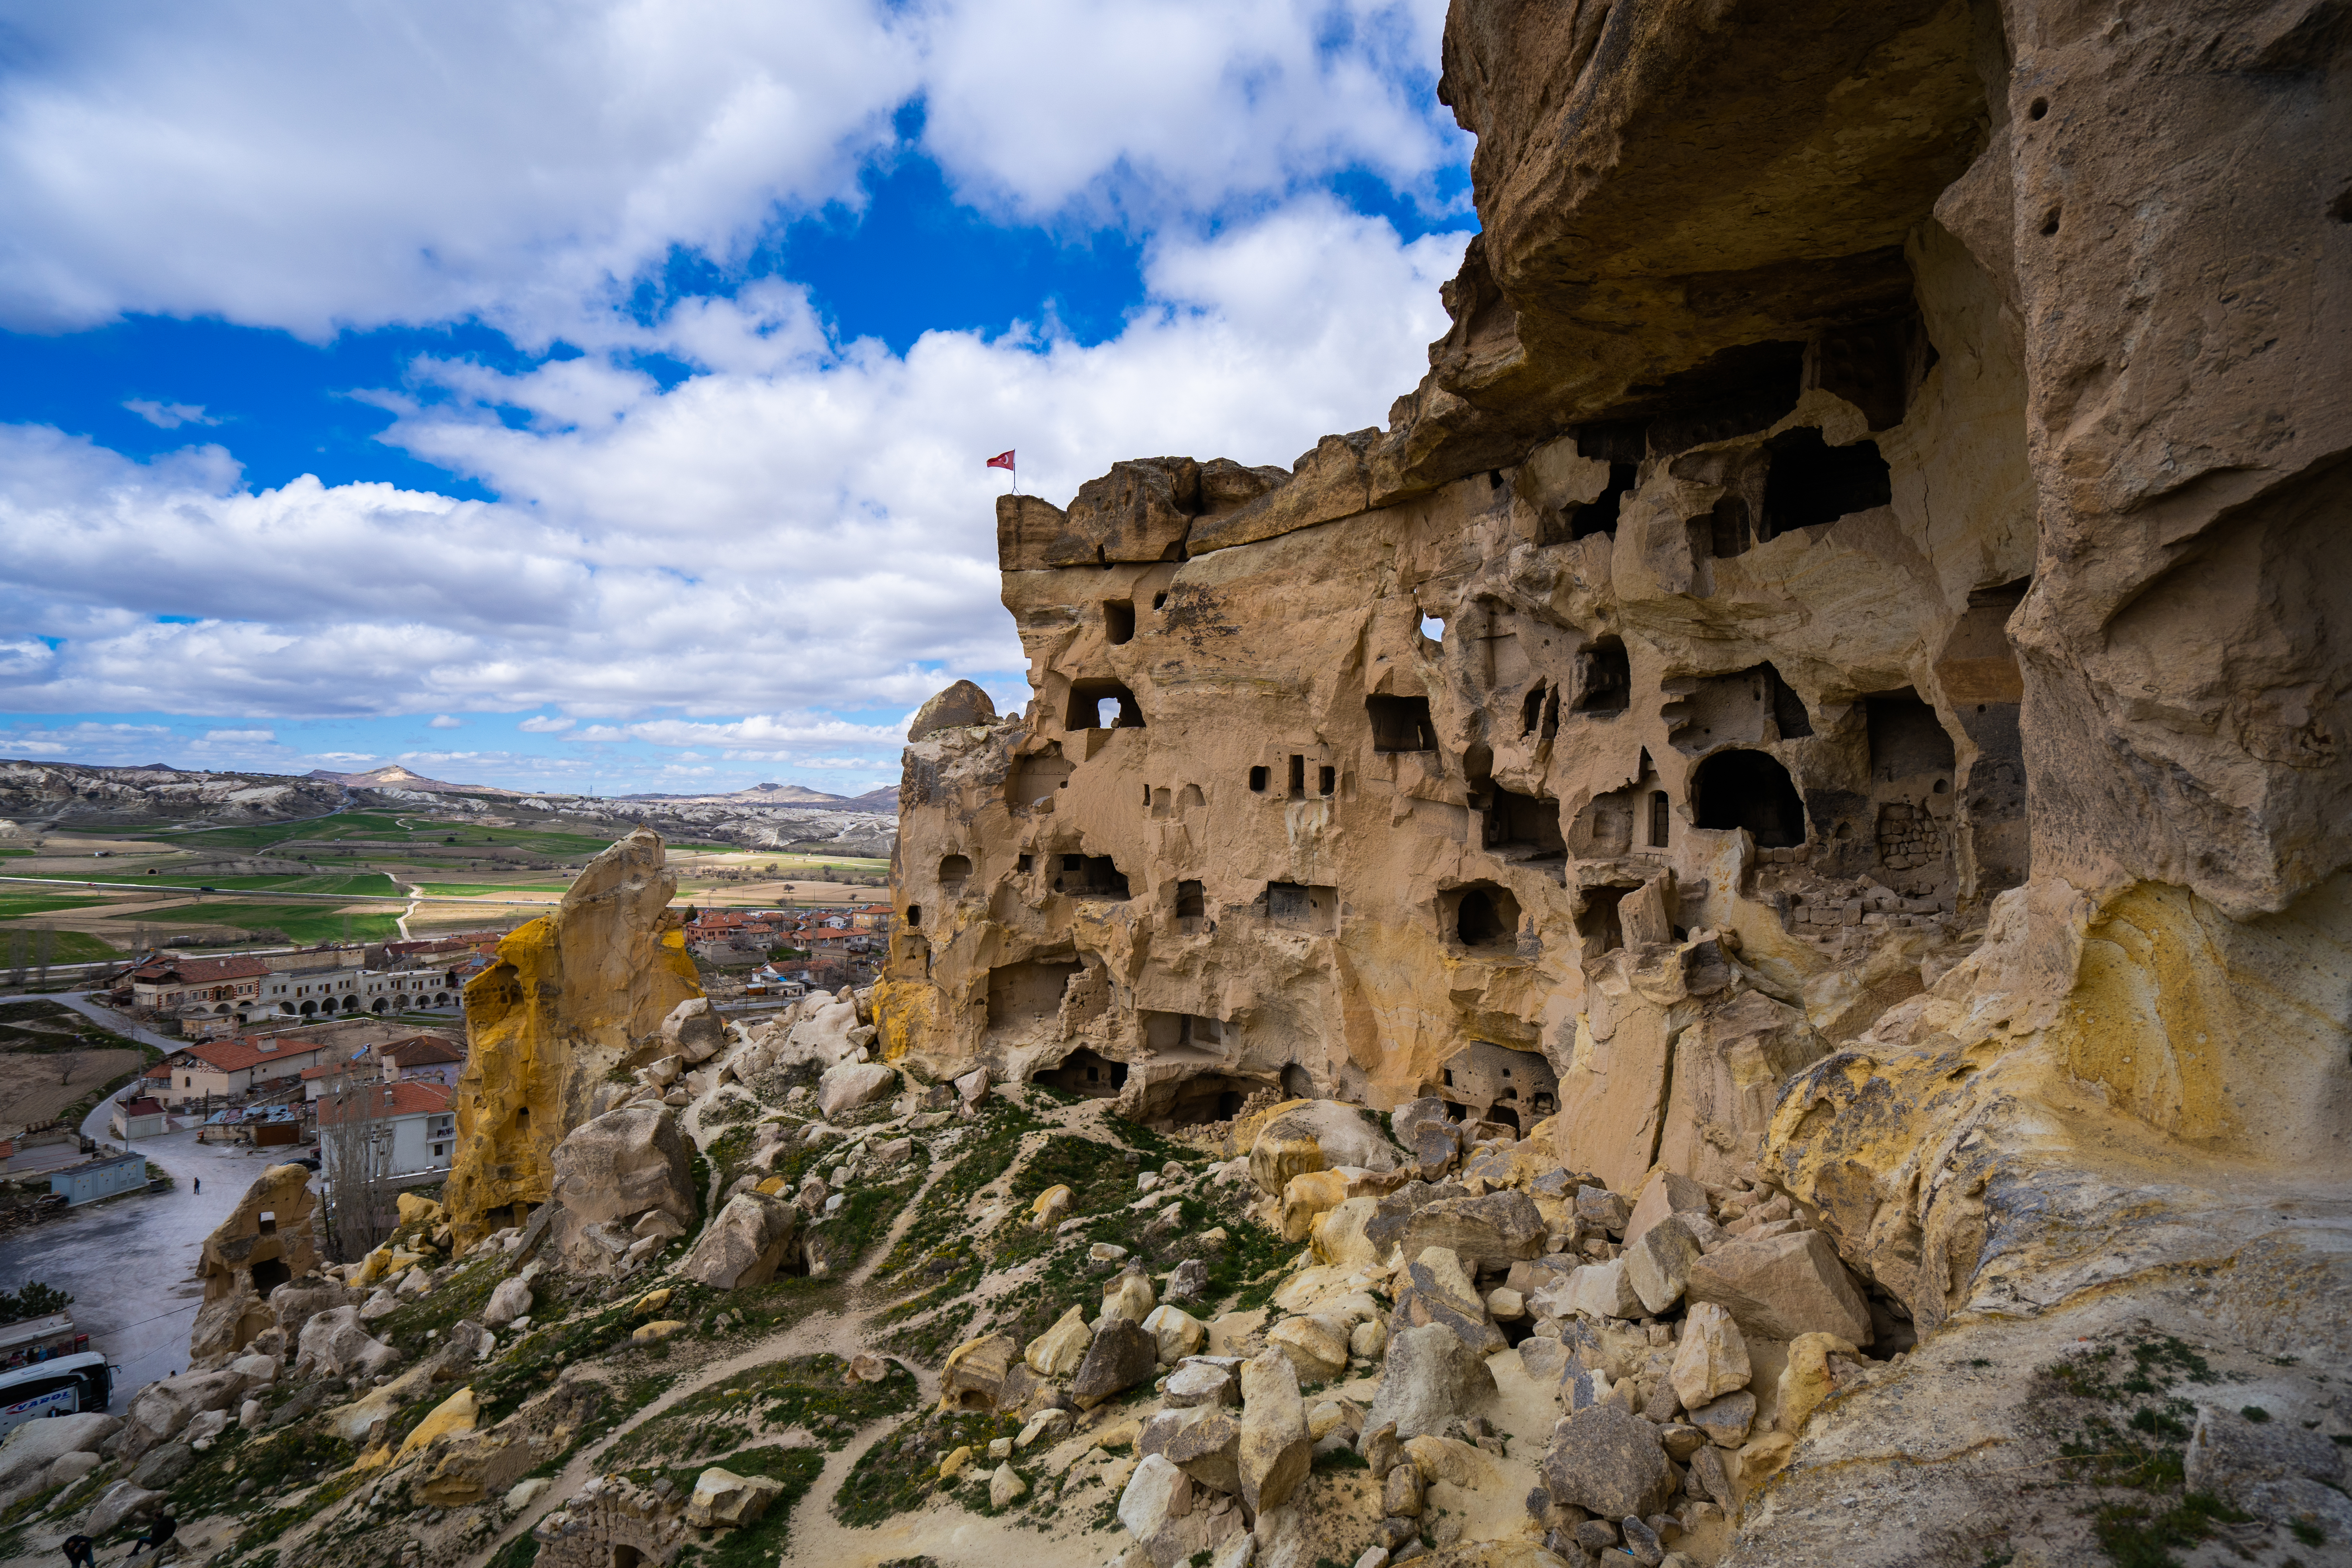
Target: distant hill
{"x":391,"y":775}
{"x":886,"y":799}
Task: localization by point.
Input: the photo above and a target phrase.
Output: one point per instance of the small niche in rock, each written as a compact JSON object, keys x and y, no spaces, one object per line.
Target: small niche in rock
{"x":1750,"y":790}
{"x":1119,"y":621}
{"x":1400,"y":724}
{"x":1097,"y":704}
{"x":914,"y":916}
{"x":954,"y":871}
{"x":1190,"y":903}
{"x":1035,"y":777}
{"x":1302,"y":907}
{"x":1028,"y":992}
{"x":1811,"y":482}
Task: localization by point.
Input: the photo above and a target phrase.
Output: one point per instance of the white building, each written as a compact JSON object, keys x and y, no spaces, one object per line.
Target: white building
{"x":412,"y":1127}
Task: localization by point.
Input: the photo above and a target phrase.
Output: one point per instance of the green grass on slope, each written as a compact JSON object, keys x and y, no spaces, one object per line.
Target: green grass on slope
{"x":303,"y":923}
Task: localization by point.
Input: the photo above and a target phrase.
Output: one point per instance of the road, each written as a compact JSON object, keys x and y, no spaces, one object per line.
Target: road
{"x":129,"y":1264}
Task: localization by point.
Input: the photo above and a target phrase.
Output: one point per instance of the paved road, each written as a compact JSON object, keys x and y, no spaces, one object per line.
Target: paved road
{"x":107,"y":1017}
{"x":131,"y":1264}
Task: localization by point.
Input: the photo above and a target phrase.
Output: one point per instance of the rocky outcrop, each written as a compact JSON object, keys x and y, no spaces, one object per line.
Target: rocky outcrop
{"x":1812,"y":696}
{"x":572,"y":995}
{"x":268,"y":1240}
{"x":608,"y":1175}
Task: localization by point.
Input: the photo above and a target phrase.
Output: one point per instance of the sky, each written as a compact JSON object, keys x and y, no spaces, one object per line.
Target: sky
{"x":594,"y":394}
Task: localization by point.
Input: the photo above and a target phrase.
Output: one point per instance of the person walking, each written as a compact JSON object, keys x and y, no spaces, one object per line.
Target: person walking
{"x":158,"y":1534}
{"x":80,"y":1552}
{"x":200,"y":1186}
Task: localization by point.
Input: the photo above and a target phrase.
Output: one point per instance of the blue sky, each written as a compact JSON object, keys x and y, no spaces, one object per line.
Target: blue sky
{"x":603,"y":405}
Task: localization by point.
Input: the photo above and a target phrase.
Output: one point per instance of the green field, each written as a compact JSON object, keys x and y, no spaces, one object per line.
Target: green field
{"x":65,"y":947}
{"x":380,"y":828}
{"x":16,"y":906}
{"x":468,"y":889}
{"x":303,"y":923}
{"x":375,"y":883}
{"x":6,"y":851}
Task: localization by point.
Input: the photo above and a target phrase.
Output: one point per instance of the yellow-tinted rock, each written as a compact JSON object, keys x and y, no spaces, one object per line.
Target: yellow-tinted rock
{"x":1308,"y":1197}
{"x":772,"y":1186}
{"x":1276,"y":1158}
{"x":953,"y":1463}
{"x":571,"y":995}
{"x":447,"y":1419}
{"x":418,"y":1211}
{"x":652,"y":1301}
{"x":654,"y":1332}
{"x":1806,"y":1382}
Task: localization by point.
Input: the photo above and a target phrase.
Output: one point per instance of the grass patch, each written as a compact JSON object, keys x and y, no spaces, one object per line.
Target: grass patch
{"x":16,"y":906}
{"x":807,"y":1391}
{"x":763,"y":1544}
{"x":2119,"y":1430}
{"x":304,"y":923}
{"x":901,"y":1470}
{"x":470,"y":890}
{"x":520,"y":1553}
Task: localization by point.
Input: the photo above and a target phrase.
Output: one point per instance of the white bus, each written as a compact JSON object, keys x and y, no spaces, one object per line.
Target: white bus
{"x":60,"y":1386}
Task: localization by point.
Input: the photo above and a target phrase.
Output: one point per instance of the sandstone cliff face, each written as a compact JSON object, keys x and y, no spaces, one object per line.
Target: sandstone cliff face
{"x":1841,"y":668}
{"x":572,"y":995}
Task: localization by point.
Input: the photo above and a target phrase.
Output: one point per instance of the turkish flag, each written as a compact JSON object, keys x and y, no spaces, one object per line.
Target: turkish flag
{"x":1002,"y":460}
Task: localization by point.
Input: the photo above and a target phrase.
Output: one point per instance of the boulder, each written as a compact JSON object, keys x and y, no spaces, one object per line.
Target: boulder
{"x":1430,"y":1377}
{"x":334,"y":1343}
{"x":1201,"y":1382}
{"x":1712,"y":1358}
{"x":1307,"y":1197}
{"x":1663,"y":1194}
{"x":1436,"y":1288}
{"x":1318,"y":1347}
{"x":1176,"y":1331}
{"x":607,"y":1171}
{"x":1129,"y":1295}
{"x":1186,"y":1281}
{"x":724,"y":1500}
{"x":122,"y":1500}
{"x":850,"y":1085}
{"x":1121,"y":1356}
{"x":1317,"y":1135}
{"x":1406,"y":1121}
{"x":1779,"y":1287}
{"x":1202,"y":1440}
{"x":1435,"y":1148}
{"x":1658,"y":1264}
{"x":1489,"y":1232}
{"x":694,"y":1030}
{"x":510,"y":1300}
{"x":1725,"y":1419}
{"x":1599,"y":1209}
{"x":1005,"y":1486}
{"x":37,"y":1445}
{"x":976,"y":1371}
{"x":1608,"y":1461}
{"x":1280,"y":1154}
{"x":958,"y":707}
{"x":1158,"y":1509}
{"x":470,"y":1465}
{"x":296,"y":1302}
{"x":1601,"y":1290}
{"x":1274,"y":1450}
{"x":1050,"y":1207}
{"x":1339,"y":1237}
{"x":1058,"y":1352}
{"x":746,"y":1244}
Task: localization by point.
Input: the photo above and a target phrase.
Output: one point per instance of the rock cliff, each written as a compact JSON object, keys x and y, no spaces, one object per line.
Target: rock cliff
{"x":573,"y":996}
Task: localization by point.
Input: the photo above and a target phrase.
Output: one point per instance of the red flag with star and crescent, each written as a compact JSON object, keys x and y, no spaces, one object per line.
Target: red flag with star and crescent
{"x":1002,"y":460}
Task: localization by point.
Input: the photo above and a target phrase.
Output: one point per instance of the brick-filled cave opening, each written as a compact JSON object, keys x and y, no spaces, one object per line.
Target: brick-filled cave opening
{"x":1097,"y":704}
{"x":1750,"y":790}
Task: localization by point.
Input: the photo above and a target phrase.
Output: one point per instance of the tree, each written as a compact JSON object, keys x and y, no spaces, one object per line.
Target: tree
{"x":35,"y":1300}
{"x":68,"y":1064}
{"x":355,"y":1145}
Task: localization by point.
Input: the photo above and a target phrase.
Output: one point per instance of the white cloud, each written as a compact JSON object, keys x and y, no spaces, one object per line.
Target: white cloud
{"x":347,"y":164}
{"x":542,"y":724}
{"x":168,"y":415}
{"x":343,"y":758}
{"x":443,"y":721}
{"x":799,"y":531}
{"x":241,"y":737}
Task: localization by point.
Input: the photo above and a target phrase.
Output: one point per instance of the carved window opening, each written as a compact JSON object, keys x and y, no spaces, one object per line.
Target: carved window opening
{"x":266,"y":1224}
{"x":1604,"y":679}
{"x":1191,"y":903}
{"x":522,"y":1118}
{"x":1119,"y":621}
{"x":1486,"y":915}
{"x":1531,"y":710}
{"x":1091,"y":877}
{"x":1750,"y":790}
{"x":1297,"y":778}
{"x":1811,"y":482}
{"x":914,"y":916}
{"x":1302,"y":907}
{"x":1025,"y":863}
{"x":1327,"y":779}
{"x":1257,"y":781}
{"x":1102,"y":705}
{"x":1661,"y":819}
{"x":954,"y":871}
{"x":1523,"y":824}
{"x":1727,"y":531}
{"x":1401,"y":724}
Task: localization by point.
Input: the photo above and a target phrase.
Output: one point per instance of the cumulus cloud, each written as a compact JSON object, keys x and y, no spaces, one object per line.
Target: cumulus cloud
{"x":788,"y":534}
{"x":443,"y":721}
{"x":345,"y":165}
{"x":545,"y":724}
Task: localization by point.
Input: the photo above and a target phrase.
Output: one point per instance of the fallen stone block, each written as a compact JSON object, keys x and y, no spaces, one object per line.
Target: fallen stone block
{"x":1779,"y":1287}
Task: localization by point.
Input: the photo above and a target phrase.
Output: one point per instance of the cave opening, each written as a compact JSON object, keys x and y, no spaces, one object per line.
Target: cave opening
{"x":1258,"y":780}
{"x":1905,"y":736}
{"x":1400,"y":724}
{"x":914,"y":916}
{"x":1098,"y":704}
{"x":1531,"y":710}
{"x":954,"y":871}
{"x":1600,"y":515}
{"x":1035,"y":776}
{"x":1599,"y":924}
{"x":1811,"y":482}
{"x":1084,"y":1072}
{"x":1119,"y":621}
{"x":1524,"y":824}
{"x":1486,"y":915}
{"x":1091,"y":877}
{"x":1191,"y":902}
{"x":1726,"y":529}
{"x":1750,"y":790}
{"x":268,"y":1274}
{"x":1604,"y":679}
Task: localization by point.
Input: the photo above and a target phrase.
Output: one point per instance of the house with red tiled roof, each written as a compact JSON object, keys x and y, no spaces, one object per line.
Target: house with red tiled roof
{"x":404,"y":1128}
{"x":221,"y":985}
{"x":230,"y":1068}
{"x":422,"y":1059}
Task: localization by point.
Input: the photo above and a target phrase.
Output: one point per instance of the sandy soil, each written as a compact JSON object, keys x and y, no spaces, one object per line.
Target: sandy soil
{"x":30,"y":1086}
